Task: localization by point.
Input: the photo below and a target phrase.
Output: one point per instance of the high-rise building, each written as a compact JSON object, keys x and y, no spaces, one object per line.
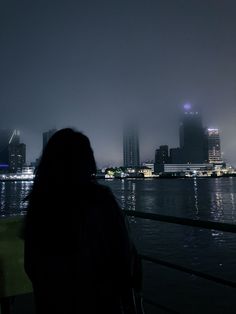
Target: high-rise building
{"x":131,"y":148}
{"x":198,"y":146}
{"x":7,"y":138}
{"x":162,"y":155}
{"x":176,"y":156}
{"x":47,"y":135}
{"x":193,"y":142}
{"x":214,"y":149}
{"x":17,"y":157}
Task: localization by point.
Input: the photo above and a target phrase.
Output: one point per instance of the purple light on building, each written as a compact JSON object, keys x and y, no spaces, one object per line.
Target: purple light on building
{"x":187,"y":107}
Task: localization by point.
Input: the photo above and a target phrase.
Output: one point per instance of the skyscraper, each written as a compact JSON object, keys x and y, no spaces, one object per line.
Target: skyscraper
{"x":193,"y":141}
{"x":47,"y":135}
{"x":214,"y":149}
{"x":17,"y":157}
{"x":131,"y":148}
{"x":176,"y":156}
{"x":12,"y":153}
{"x":162,"y":155}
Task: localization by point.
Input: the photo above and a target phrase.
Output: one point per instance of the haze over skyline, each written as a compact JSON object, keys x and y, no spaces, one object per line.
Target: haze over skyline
{"x":94,"y":65}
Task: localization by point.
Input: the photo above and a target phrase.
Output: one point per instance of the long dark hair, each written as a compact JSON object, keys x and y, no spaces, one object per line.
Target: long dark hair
{"x":67,"y":160}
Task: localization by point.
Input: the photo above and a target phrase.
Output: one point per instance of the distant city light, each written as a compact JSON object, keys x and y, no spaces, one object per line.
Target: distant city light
{"x":4,"y":166}
{"x":187,"y":106}
{"x":213,"y":129}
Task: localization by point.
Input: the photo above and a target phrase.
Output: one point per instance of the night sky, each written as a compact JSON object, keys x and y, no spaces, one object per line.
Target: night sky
{"x":94,"y":65}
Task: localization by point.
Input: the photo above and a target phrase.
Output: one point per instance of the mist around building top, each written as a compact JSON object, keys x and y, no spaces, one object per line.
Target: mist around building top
{"x":94,"y":64}
{"x":198,"y":148}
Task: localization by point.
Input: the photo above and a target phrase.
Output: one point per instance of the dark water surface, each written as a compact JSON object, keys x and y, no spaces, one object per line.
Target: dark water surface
{"x":210,"y":251}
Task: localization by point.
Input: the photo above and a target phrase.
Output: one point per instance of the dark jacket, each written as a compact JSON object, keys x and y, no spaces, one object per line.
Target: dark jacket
{"x":78,"y":253}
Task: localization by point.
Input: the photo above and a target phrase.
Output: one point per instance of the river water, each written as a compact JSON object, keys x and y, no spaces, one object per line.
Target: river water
{"x":210,"y":251}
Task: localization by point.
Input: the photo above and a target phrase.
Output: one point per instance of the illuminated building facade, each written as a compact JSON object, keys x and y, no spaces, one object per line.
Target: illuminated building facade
{"x":17,"y":156}
{"x":186,"y":168}
{"x":148,"y":164}
{"x":12,"y":152}
{"x":214,"y":149}
{"x":131,"y":148}
{"x":199,"y":147}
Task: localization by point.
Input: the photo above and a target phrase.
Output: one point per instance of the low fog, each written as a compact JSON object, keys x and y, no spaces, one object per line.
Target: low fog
{"x":96,"y":65}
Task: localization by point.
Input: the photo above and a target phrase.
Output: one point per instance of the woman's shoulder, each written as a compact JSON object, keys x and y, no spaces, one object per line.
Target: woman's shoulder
{"x":103,"y":193}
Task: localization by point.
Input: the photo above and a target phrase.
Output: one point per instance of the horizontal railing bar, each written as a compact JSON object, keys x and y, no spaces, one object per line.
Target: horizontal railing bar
{"x":159,"y":306}
{"x":225,"y":282}
{"x":220,"y":226}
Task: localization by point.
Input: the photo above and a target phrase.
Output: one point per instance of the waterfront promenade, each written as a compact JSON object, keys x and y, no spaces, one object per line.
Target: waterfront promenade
{"x":206,"y":251}
{"x":15,"y":289}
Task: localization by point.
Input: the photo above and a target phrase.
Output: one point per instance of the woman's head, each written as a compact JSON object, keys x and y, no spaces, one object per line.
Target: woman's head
{"x":67,"y":156}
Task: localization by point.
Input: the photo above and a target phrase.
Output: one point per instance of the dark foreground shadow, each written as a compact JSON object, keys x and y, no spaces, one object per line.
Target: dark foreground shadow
{"x":24,"y":304}
{"x":21,"y":304}
{"x":5,"y":302}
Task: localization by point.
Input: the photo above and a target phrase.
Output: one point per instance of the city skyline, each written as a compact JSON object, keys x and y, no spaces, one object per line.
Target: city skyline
{"x":94,"y":66}
{"x":188,"y":117}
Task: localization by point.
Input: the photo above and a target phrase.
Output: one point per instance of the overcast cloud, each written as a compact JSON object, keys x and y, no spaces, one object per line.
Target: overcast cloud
{"x":94,"y":65}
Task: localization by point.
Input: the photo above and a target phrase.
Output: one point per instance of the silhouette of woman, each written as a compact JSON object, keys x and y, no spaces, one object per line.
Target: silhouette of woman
{"x":78,"y":254}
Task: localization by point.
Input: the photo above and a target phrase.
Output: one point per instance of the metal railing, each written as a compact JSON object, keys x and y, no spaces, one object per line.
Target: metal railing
{"x":209,"y":225}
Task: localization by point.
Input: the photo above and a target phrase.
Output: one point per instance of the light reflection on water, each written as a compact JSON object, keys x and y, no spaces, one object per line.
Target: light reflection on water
{"x":209,"y":199}
{"x":209,"y":251}
{"x":12,"y":197}
{"x":195,"y":190}
{"x":128,"y":194}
